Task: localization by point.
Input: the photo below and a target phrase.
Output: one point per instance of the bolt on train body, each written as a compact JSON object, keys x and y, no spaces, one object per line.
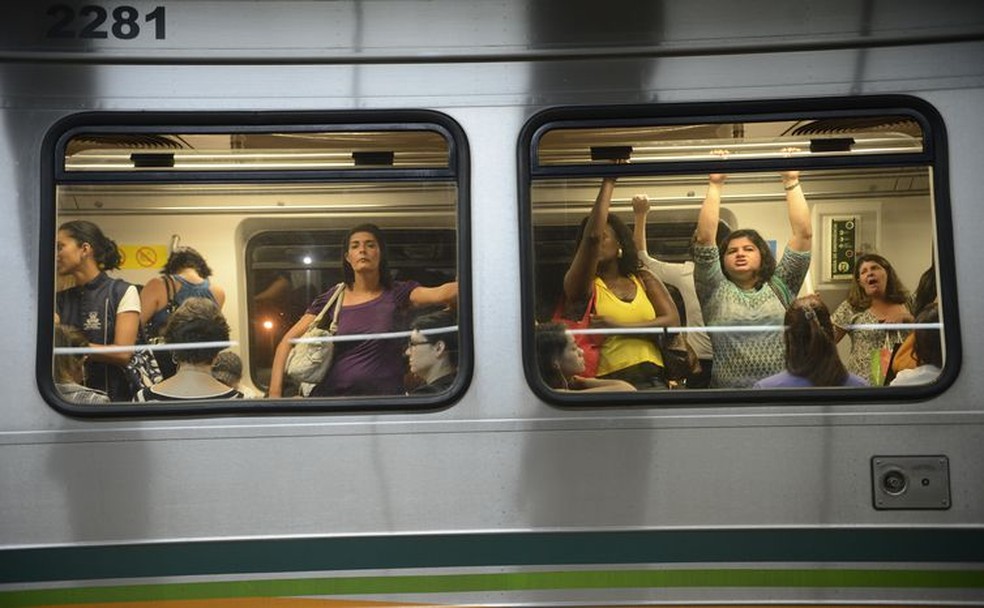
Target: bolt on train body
{"x":477,"y":136}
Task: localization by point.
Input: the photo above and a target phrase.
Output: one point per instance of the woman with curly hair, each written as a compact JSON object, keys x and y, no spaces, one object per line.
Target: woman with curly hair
{"x":197,"y":320}
{"x":606,"y":272}
{"x":876,"y":296}
{"x":185,"y":275}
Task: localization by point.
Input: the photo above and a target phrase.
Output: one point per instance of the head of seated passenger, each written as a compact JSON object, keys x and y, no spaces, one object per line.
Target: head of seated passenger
{"x":811,"y":353}
{"x":196,"y":320}
{"x":69,"y":369}
{"x":199,"y":328}
{"x":228,"y":368}
{"x":432,"y":351}
{"x":560,"y":361}
{"x":929,"y":348}
{"x":558,"y":356}
{"x":928,"y":351}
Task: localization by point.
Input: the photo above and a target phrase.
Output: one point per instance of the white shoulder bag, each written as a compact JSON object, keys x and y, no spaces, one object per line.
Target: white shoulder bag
{"x":308,"y":362}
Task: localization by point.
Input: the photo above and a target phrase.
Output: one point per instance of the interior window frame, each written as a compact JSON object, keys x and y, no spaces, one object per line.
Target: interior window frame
{"x":933,"y":155}
{"x":54,"y":175}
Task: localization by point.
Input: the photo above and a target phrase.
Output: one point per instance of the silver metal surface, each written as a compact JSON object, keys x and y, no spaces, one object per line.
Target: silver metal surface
{"x":911,"y":482}
{"x":500,"y":459}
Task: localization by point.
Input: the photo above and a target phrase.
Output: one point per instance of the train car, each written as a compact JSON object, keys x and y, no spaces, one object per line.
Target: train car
{"x":478,"y":137}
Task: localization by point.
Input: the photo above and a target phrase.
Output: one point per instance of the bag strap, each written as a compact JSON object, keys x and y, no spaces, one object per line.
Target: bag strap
{"x":781,"y":291}
{"x":169,"y":286}
{"x":336,"y":300}
{"x":339,"y":296}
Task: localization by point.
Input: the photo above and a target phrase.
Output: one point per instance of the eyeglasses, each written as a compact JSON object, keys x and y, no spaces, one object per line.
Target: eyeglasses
{"x":411,"y":343}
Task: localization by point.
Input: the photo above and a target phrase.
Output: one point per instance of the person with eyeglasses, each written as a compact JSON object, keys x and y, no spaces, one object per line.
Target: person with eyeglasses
{"x":432,"y":352}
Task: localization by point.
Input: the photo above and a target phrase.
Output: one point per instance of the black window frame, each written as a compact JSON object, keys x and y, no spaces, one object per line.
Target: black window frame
{"x":54,"y":174}
{"x":933,"y":155}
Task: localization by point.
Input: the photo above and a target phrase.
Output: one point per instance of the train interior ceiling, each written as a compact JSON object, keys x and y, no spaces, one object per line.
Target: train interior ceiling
{"x":276,"y":221}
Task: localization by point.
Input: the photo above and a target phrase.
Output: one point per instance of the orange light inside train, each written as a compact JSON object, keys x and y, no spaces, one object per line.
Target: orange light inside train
{"x":267,"y":324}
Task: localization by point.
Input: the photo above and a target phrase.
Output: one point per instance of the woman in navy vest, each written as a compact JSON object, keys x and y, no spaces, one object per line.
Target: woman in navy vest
{"x":104,"y":309}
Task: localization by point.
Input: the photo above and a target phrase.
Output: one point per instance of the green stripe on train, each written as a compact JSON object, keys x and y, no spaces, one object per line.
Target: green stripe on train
{"x":552,"y":550}
{"x":516,"y":581}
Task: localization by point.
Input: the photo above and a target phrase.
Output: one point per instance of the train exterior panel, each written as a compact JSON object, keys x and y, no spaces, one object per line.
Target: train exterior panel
{"x":500,"y":494}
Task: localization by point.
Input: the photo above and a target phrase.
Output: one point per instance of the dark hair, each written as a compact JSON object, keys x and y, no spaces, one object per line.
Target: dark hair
{"x":810,"y":349}
{"x":677,"y":298}
{"x":186,"y":257}
{"x":228,"y":368}
{"x":384,"y":272}
{"x":551,"y":341}
{"x":68,"y":368}
{"x":768,"y":265}
{"x":925,"y":291}
{"x":928,"y":348}
{"x":628,"y":262}
{"x":104,"y":249}
{"x":895,"y":291}
{"x":437,"y":320}
{"x":196,"y":320}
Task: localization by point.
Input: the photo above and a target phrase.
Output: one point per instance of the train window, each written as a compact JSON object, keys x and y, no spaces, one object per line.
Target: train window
{"x":193,"y":255}
{"x":752,"y":252}
{"x":254,"y":151}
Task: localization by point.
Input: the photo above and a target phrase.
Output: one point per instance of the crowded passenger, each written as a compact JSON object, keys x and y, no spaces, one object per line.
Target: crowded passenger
{"x":924,"y":296}
{"x":561,"y":362}
{"x":197,"y":320}
{"x":876,"y":296}
{"x":69,"y":369}
{"x":106,"y":310}
{"x":681,"y":276}
{"x":738,"y":283}
{"x":433,"y":353}
{"x":372,"y":302}
{"x":928,"y":350}
{"x":228,"y":369}
{"x":184,"y":275}
{"x":811,"y":354}
{"x":606,"y":274}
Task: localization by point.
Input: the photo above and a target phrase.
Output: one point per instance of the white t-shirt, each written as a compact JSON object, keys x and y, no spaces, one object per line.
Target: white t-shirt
{"x":130,"y":302}
{"x":681,"y":276}
{"x":924,"y":374}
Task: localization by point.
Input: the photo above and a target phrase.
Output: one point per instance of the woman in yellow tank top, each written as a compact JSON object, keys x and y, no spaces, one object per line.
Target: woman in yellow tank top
{"x":626,"y":296}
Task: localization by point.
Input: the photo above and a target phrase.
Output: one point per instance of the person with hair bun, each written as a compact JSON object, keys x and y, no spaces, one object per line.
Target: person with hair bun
{"x":196,"y":320}
{"x":185,"y":275}
{"x":104,"y":309}
{"x":811,"y":355}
